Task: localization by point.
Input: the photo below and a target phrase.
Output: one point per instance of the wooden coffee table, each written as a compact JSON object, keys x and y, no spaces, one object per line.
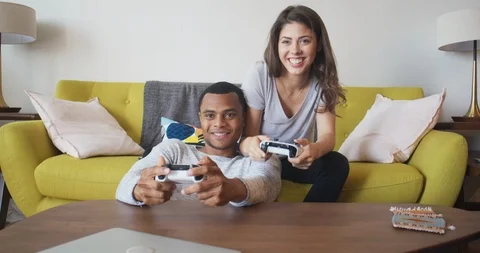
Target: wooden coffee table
{"x":269,"y":227}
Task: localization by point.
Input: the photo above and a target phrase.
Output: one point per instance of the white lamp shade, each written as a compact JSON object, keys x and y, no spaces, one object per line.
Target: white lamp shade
{"x":17,"y":23}
{"x":457,"y":30}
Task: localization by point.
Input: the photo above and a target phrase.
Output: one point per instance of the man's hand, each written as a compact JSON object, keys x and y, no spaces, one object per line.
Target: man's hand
{"x":152,"y":192}
{"x":251,"y":147}
{"x":215,"y":189}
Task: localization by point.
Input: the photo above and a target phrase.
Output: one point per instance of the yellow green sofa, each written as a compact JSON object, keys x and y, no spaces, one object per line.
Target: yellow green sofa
{"x":39,"y":177}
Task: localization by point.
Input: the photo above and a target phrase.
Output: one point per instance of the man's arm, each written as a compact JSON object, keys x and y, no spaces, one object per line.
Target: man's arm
{"x":129,"y":181}
{"x":262,"y":182}
{"x":126,"y":186}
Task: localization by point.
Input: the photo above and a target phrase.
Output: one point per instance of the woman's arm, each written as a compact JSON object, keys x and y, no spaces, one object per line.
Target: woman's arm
{"x":324,"y":144}
{"x":325,"y":134}
{"x":250,"y":142}
{"x":253,"y":122}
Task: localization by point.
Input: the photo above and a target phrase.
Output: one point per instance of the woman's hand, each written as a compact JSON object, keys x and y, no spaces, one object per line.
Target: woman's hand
{"x":250,"y":146}
{"x":307,"y":156}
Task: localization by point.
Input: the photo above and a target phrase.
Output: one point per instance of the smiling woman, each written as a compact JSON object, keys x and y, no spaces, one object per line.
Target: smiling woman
{"x":297,"y":48}
{"x":292,"y":97}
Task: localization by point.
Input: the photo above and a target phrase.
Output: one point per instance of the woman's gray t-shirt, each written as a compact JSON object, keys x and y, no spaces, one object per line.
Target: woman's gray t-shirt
{"x":261,"y":94}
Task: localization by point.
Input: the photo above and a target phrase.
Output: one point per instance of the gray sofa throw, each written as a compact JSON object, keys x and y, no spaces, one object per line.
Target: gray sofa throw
{"x":174,"y":100}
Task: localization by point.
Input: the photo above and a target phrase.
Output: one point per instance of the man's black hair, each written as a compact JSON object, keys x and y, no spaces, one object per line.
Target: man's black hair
{"x":225,"y":88}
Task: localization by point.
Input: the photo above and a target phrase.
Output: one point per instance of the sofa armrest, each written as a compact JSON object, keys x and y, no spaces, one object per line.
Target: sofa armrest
{"x":442,"y":159}
{"x":24,"y":145}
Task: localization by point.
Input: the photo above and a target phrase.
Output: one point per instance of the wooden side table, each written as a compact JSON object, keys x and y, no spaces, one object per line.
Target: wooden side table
{"x":472,"y":175}
{"x":5,"y":194}
{"x":18,"y":116}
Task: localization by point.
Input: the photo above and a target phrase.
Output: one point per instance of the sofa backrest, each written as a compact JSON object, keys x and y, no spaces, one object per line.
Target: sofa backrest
{"x":124,"y":101}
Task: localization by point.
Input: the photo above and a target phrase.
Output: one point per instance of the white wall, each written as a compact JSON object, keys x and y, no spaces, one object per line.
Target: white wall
{"x":377,"y":43}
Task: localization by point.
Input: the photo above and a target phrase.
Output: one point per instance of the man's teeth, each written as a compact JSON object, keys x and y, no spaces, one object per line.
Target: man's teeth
{"x":295,"y":61}
{"x":220,"y":134}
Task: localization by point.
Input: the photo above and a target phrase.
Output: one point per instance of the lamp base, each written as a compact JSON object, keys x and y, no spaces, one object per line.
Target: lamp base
{"x":10,"y":109}
{"x":465,"y":119}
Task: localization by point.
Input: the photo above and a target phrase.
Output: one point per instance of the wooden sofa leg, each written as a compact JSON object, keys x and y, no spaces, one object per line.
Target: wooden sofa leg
{"x":5,"y":196}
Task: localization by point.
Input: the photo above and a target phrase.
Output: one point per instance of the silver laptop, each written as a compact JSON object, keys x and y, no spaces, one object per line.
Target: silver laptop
{"x":129,"y":241}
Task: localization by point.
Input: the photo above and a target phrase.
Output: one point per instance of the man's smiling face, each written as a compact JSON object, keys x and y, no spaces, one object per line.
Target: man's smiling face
{"x":221,"y":118}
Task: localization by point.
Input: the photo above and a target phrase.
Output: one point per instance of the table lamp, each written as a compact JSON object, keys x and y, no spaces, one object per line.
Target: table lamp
{"x":460,"y":31}
{"x":17,"y":26}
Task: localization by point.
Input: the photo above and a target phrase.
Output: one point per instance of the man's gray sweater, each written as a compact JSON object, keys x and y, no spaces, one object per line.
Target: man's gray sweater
{"x":262,"y":179}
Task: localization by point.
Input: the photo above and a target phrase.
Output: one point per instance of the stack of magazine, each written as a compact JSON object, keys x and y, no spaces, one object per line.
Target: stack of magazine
{"x":418,"y":218}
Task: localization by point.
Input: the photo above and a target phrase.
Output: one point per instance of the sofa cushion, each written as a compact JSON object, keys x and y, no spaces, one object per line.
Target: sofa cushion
{"x":83,"y":129}
{"x":123,"y":100}
{"x":66,"y":177}
{"x":360,"y":100}
{"x":391,"y":129}
{"x":187,"y":133}
{"x":369,"y":182}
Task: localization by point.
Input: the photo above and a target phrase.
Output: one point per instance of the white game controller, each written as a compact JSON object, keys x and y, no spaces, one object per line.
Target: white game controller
{"x":178,"y":175}
{"x":281,"y":148}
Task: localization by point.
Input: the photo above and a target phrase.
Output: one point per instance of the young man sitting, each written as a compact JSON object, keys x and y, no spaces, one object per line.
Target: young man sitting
{"x":228,"y":176}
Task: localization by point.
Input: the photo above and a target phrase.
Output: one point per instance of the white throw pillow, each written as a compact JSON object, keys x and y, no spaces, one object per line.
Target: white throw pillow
{"x":83,"y":129}
{"x":392,"y":129}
